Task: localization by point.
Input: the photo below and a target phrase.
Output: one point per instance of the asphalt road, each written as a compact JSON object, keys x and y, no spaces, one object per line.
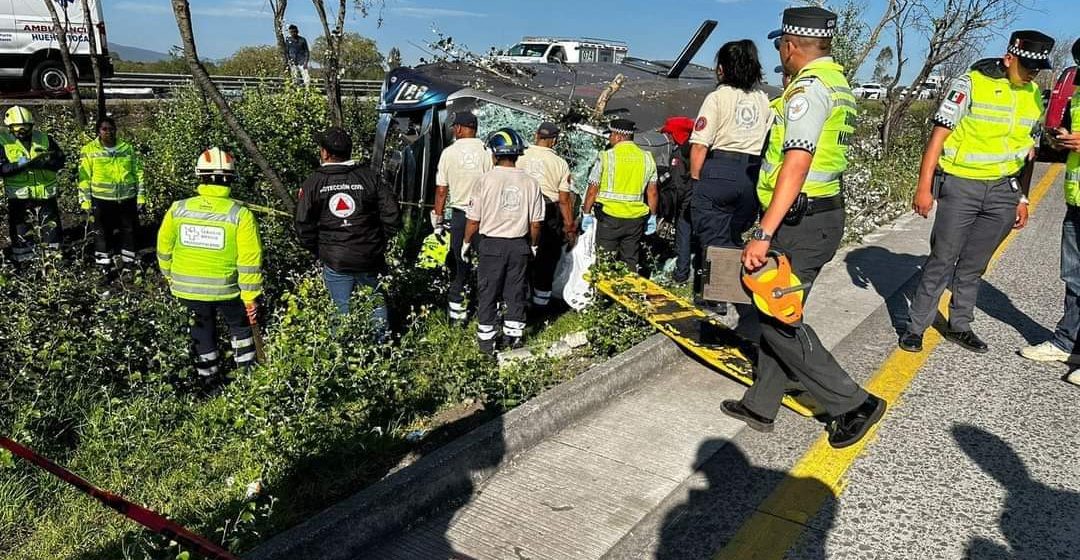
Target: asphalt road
{"x":979,"y":458}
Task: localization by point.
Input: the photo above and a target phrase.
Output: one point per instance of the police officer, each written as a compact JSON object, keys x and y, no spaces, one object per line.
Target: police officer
{"x":553,"y":173}
{"x":622,"y":183}
{"x":678,"y":130}
{"x":28,"y":165}
{"x":507,"y":210}
{"x":459,"y":166}
{"x":806,"y":155}
{"x":1062,"y":346}
{"x":981,"y":155}
{"x":725,"y":153}
{"x":346,"y":217}
{"x":208,"y":249}
{"x":111,"y":186}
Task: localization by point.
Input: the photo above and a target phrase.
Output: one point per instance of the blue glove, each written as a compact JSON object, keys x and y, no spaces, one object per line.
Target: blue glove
{"x":22,"y":161}
{"x":587,"y":221}
{"x":650,"y":227}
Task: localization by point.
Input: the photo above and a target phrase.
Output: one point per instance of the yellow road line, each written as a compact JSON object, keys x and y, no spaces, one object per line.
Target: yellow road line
{"x":819,"y":475}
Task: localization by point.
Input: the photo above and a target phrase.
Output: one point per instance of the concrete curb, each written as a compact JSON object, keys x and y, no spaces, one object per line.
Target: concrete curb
{"x":453,"y":471}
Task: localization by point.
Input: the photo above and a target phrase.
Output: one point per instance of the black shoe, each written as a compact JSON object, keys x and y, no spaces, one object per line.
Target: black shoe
{"x":512,"y":342}
{"x":488,"y":347}
{"x":847,"y":429}
{"x":738,"y":411}
{"x":911,"y":342}
{"x":969,"y":340}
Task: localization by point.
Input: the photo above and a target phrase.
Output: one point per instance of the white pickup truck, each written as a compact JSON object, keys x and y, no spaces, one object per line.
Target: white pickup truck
{"x":29,"y":48}
{"x":542,"y":50}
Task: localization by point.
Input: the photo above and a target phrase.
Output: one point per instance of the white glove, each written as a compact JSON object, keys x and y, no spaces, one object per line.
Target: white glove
{"x":587,"y":221}
{"x":437,"y":223}
{"x":534,"y":248}
{"x":465,"y":251}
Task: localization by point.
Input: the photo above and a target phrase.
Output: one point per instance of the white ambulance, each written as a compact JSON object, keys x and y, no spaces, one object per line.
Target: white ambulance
{"x":30,"y":51}
{"x":569,"y":50}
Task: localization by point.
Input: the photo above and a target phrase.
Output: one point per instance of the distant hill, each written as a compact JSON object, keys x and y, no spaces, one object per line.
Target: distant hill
{"x":135,"y":54}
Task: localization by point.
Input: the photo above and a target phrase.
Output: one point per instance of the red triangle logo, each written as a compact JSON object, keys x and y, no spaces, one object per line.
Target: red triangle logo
{"x":342,"y":205}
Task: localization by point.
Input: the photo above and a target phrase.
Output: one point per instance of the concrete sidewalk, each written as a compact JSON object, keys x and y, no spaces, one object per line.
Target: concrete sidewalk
{"x":581,"y":491}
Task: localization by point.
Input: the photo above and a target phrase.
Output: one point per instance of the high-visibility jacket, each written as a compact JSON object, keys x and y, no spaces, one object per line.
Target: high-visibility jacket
{"x":624,"y":173}
{"x":830,"y":159}
{"x":110,"y":173}
{"x":1072,"y":165}
{"x":38,"y":183}
{"x":994,"y":139}
{"x":208,"y":248}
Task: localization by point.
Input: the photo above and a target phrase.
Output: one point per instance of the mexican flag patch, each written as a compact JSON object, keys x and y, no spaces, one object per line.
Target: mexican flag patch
{"x":957,"y":97}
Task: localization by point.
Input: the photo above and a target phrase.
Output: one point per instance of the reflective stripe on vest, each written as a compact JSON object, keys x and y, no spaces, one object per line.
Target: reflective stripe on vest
{"x":28,"y":183}
{"x":1072,"y":164}
{"x":203,"y":272}
{"x":830,"y":158}
{"x":624,"y":170}
{"x":994,"y":138}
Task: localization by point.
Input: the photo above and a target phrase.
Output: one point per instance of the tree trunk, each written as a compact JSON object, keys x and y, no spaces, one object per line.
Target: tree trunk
{"x":332,"y":60}
{"x":99,"y":84}
{"x":602,"y":101}
{"x":69,"y":67}
{"x":202,"y":80}
{"x":278,"y":7}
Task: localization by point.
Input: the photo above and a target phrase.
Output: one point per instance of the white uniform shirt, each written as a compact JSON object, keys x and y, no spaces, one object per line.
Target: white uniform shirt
{"x":460,"y":165}
{"x":733,"y":120}
{"x":548,"y":168}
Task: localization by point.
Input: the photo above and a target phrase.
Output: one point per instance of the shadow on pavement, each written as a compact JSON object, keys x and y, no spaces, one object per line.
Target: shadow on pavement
{"x":999,"y":305}
{"x":711,"y":516}
{"x":879,"y":268}
{"x":1038,"y":521}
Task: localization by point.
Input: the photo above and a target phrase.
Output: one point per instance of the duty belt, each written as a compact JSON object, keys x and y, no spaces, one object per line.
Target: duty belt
{"x":818,"y":205}
{"x":733,"y":156}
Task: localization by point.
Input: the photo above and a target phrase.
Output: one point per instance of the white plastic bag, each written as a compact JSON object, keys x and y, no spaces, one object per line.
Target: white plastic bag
{"x":569,"y":284}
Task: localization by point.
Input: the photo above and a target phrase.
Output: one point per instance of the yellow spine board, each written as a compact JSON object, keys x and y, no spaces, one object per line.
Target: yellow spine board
{"x":681,"y":321}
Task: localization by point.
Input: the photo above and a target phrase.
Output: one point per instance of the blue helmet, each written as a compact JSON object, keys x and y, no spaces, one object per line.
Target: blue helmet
{"x":506,"y":142}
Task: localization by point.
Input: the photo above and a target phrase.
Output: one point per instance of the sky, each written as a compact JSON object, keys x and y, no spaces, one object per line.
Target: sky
{"x":654,"y":29}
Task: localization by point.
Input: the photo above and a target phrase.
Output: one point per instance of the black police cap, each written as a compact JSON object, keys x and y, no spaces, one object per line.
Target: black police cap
{"x":809,"y":22}
{"x":622,"y":126}
{"x":1032,"y":48}
{"x":465,"y":118}
{"x":547,"y":130}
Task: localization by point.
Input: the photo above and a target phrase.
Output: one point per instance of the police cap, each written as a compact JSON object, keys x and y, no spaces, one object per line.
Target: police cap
{"x":622,"y":126}
{"x":465,"y":118}
{"x":1032,"y":48}
{"x":547,"y":130}
{"x":809,"y":22}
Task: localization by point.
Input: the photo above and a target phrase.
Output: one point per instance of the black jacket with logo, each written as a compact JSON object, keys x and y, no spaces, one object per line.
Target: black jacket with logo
{"x":346,"y":217}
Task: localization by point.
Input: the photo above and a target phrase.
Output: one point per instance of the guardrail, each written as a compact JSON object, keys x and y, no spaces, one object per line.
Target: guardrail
{"x":159,"y":85}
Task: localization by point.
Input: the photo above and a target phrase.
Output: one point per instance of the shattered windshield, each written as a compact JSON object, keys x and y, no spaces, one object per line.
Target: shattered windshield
{"x":532,"y":50}
{"x":578,"y":148}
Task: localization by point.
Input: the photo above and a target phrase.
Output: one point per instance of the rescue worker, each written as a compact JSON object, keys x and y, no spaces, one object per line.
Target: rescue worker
{"x":347,"y":218}
{"x":799,"y":188}
{"x":552,"y":172}
{"x":459,"y":166}
{"x":725,"y":153}
{"x":28,"y":166}
{"x":1062,"y":346}
{"x":506,"y":209}
{"x":622,"y":184}
{"x":678,"y":130}
{"x":978,"y":164}
{"x":111,"y":187}
{"x":208,"y":249}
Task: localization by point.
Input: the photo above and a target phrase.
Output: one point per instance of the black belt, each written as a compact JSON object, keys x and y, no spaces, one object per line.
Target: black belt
{"x":734,"y":156}
{"x":818,"y":205}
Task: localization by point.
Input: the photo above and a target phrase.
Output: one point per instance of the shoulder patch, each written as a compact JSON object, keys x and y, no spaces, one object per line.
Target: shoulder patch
{"x":701,"y":123}
{"x":956,"y":96}
{"x":797,"y":108}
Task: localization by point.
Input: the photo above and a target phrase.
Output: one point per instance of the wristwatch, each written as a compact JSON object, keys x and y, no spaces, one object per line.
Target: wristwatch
{"x":759,"y":235}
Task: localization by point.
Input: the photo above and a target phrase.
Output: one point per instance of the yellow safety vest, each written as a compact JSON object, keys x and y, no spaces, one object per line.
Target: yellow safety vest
{"x":105,"y":174}
{"x":624,"y":171}
{"x":209,"y":249}
{"x":37,"y":184}
{"x":993,"y":140}
{"x":830,"y":160}
{"x":1072,"y":165}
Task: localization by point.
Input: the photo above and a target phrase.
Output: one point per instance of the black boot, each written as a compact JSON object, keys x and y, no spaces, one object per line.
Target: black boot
{"x":848,"y":428}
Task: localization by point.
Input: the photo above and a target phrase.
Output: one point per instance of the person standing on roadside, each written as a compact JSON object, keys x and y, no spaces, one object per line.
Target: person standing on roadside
{"x":347,"y":218}
{"x":622,"y":184}
{"x":111,"y":188}
{"x":460,"y":165}
{"x":725,"y":152}
{"x":29,"y":162}
{"x":296,"y":50}
{"x":553,"y":173}
{"x":977,"y":165}
{"x":506,"y":209}
{"x":799,"y":188}
{"x":1062,"y":346}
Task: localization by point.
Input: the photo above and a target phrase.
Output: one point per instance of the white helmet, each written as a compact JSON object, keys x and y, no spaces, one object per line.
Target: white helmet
{"x":215,"y":161}
{"x":18,"y":115}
